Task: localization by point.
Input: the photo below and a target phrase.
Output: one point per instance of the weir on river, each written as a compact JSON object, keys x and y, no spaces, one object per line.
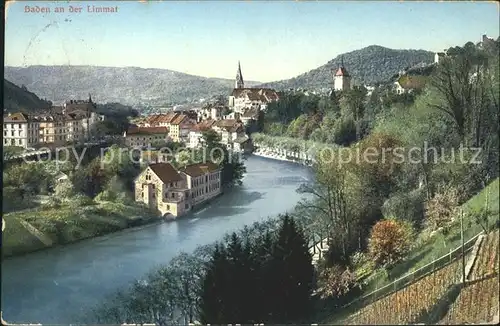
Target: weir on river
{"x":61,"y":285}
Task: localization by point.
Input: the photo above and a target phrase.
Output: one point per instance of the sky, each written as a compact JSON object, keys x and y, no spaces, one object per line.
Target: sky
{"x":274,"y":40}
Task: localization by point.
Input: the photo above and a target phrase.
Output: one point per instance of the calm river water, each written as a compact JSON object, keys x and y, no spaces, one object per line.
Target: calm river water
{"x":59,"y":284}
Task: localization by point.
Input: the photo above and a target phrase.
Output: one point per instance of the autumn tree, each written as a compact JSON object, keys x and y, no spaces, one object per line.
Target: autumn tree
{"x":442,"y":208}
{"x":335,"y":281}
{"x":390,"y":240}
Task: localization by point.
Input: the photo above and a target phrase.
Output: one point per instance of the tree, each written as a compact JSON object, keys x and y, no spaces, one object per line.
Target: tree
{"x":464,"y":85}
{"x":335,"y":281}
{"x":353,"y":106}
{"x":330,"y":199}
{"x":212,"y":304}
{"x":390,"y":240}
{"x":292,"y":272}
{"x":440,"y":210}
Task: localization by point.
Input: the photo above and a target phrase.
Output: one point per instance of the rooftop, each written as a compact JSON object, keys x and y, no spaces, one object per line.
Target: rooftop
{"x":199,"y":169}
{"x":342,"y":72}
{"x":147,"y":131}
{"x":166,"y":172}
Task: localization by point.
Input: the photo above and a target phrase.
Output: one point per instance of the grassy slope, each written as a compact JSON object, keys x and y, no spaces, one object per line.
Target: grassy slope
{"x":66,"y":224}
{"x":427,"y":250}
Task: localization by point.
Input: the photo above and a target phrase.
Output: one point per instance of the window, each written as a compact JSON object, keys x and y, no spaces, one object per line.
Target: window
{"x":142,"y":194}
{"x":12,"y":133}
{"x":20,"y":126}
{"x":186,"y":206}
{"x":168,"y":206}
{"x":206,"y":178}
{"x":206,"y":189}
{"x":173,"y":195}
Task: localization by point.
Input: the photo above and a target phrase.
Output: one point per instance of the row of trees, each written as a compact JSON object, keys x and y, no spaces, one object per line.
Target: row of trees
{"x":262,"y":273}
{"x":268,"y":280}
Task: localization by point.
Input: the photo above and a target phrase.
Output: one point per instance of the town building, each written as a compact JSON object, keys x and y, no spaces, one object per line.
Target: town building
{"x":20,"y":130}
{"x":172,"y":193}
{"x":243,"y":99}
{"x":178,"y":124}
{"x":146,"y":136}
{"x":213,"y":111}
{"x":232,"y":133}
{"x":161,"y":187}
{"x":249,"y":116}
{"x":196,"y":132}
{"x":341,"y":79}
{"x":203,"y":181}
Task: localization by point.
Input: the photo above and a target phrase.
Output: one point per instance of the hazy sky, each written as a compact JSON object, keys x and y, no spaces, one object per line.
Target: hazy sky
{"x":274,"y":40}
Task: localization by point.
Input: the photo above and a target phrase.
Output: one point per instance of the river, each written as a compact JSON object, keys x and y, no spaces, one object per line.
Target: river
{"x":60,"y":284}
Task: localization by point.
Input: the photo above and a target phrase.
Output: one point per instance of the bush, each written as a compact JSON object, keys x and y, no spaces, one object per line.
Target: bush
{"x":441,"y":209}
{"x":390,"y":240}
{"x":335,"y":281}
{"x":408,"y":206}
{"x":64,"y":190}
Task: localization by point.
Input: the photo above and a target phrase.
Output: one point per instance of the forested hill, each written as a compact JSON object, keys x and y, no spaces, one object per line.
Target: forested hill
{"x":368,"y":65}
{"x":127,"y":85}
{"x":20,"y":99}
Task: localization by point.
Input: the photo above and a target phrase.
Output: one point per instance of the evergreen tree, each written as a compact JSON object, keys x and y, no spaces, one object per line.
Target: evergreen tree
{"x":263,"y":279}
{"x":235,"y":279}
{"x":292,"y":273}
{"x":212,"y":308}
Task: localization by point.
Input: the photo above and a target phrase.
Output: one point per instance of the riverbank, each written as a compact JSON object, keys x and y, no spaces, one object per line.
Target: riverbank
{"x":39,"y":228}
{"x":283,"y":156}
{"x":62,"y":284}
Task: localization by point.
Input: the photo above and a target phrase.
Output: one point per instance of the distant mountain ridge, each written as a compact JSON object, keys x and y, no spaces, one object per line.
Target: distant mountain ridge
{"x":127,"y":85}
{"x":17,"y":98}
{"x":162,"y":87}
{"x":368,"y":65}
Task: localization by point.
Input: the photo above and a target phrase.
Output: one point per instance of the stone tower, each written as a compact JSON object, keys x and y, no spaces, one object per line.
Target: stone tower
{"x":239,"y":78}
{"x":341,"y":80}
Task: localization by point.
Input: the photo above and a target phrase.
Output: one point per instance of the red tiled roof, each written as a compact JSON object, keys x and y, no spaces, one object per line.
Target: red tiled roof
{"x":166,"y":172}
{"x":203,"y":125}
{"x":199,"y":169}
{"x":230,"y":125}
{"x":255,"y":94}
{"x":147,"y":130}
{"x":16,"y":117}
{"x":178,"y":119}
{"x":161,"y":118}
{"x":342,"y":72}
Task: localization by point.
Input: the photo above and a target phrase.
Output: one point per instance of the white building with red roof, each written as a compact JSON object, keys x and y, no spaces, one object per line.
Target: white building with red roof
{"x":341,"y":79}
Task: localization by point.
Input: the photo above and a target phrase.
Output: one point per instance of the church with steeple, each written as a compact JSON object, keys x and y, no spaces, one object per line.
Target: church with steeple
{"x":247,"y":102}
{"x":239,"y":78}
{"x":341,"y":79}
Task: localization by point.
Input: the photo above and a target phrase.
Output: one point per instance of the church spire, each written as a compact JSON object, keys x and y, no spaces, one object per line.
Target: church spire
{"x":90,"y":98}
{"x":239,"y":78}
